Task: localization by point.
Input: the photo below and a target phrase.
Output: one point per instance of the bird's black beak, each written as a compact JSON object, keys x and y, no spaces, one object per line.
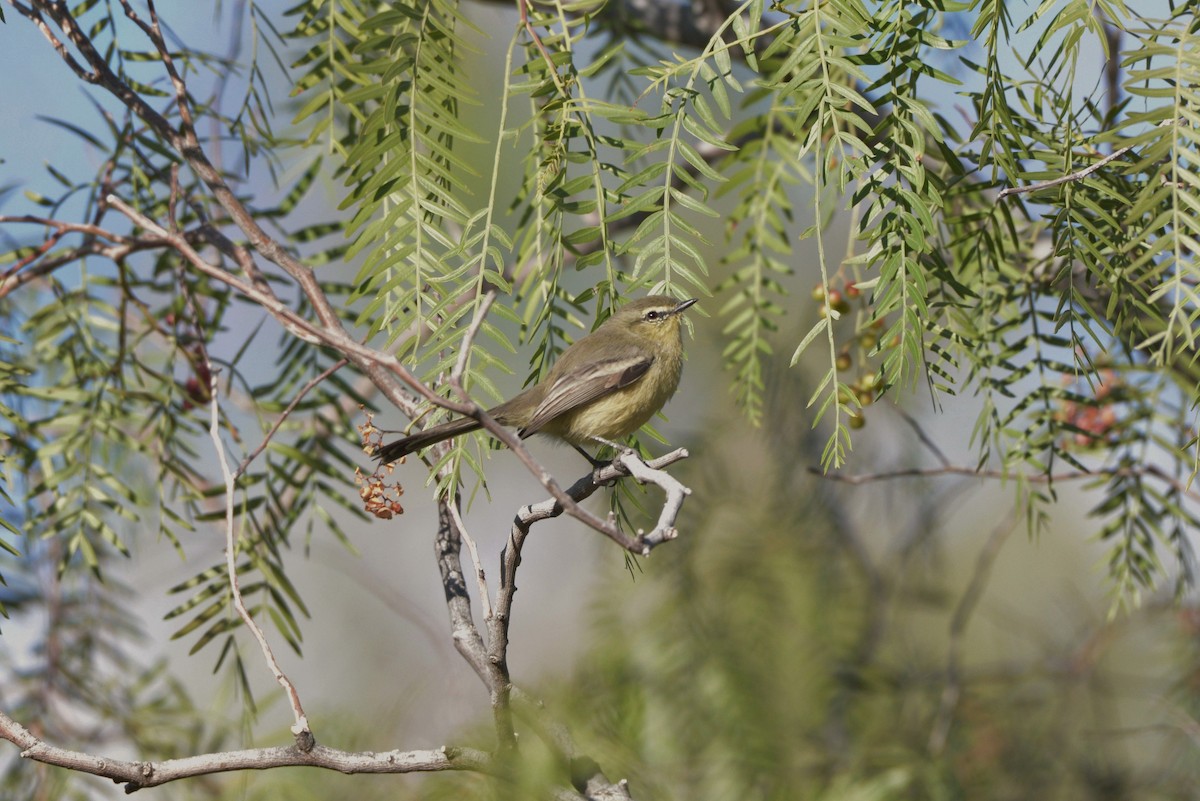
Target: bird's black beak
{"x":684,"y":305}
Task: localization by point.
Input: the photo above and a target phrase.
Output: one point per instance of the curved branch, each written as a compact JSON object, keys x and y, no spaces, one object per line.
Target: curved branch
{"x":564,"y":501}
{"x":136,"y":775}
{"x":581,"y":490}
{"x":300,"y":728}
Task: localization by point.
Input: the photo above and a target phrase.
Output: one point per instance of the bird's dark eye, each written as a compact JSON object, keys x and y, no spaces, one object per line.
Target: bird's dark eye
{"x":652,"y":315}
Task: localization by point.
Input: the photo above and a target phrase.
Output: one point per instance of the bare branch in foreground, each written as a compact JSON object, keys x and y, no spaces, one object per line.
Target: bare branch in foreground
{"x":582,"y":489}
{"x":602,"y":476}
{"x":136,"y":775}
{"x":665,"y":529}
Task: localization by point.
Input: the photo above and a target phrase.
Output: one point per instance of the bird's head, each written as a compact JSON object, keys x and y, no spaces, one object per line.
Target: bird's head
{"x":655,"y":318}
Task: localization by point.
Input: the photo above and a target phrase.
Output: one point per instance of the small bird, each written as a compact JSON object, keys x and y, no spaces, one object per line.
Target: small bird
{"x":604,"y":387}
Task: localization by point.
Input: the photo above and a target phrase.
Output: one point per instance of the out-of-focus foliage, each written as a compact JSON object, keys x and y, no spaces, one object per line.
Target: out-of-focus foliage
{"x":791,"y":650}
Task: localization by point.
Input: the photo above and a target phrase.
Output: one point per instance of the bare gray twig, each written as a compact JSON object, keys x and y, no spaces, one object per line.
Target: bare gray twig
{"x":958,"y":626}
{"x":1078,"y":175}
{"x":300,"y":727}
{"x":136,"y":775}
{"x":1148,"y":469}
{"x":676,"y":492}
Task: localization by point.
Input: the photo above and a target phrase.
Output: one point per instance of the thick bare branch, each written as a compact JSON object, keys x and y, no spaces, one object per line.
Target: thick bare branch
{"x":467,"y":638}
{"x":136,"y":775}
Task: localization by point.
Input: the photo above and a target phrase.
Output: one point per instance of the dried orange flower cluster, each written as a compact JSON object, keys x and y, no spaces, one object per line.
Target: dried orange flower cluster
{"x":378,"y":496}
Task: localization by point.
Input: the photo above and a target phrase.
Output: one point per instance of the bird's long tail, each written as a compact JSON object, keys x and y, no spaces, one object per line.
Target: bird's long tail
{"x":402,"y":447}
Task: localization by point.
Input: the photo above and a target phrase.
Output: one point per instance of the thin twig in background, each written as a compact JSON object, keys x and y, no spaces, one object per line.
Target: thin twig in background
{"x":314,"y":382}
{"x":958,"y":626}
{"x":300,"y":728}
{"x":1148,"y":469}
{"x":922,"y":436}
{"x":485,"y":599}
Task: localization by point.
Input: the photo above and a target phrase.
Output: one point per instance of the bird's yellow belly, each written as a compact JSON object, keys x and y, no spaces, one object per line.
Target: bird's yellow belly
{"x":618,"y":415}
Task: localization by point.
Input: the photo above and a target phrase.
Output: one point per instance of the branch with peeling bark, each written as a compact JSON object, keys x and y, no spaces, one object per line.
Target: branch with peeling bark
{"x":489,"y":656}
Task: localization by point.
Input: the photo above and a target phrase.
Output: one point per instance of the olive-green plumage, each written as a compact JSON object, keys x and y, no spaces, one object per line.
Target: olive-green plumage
{"x":604,"y":387}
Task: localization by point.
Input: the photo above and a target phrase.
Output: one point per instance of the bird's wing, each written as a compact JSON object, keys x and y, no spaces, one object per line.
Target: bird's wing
{"x":586,"y":383}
